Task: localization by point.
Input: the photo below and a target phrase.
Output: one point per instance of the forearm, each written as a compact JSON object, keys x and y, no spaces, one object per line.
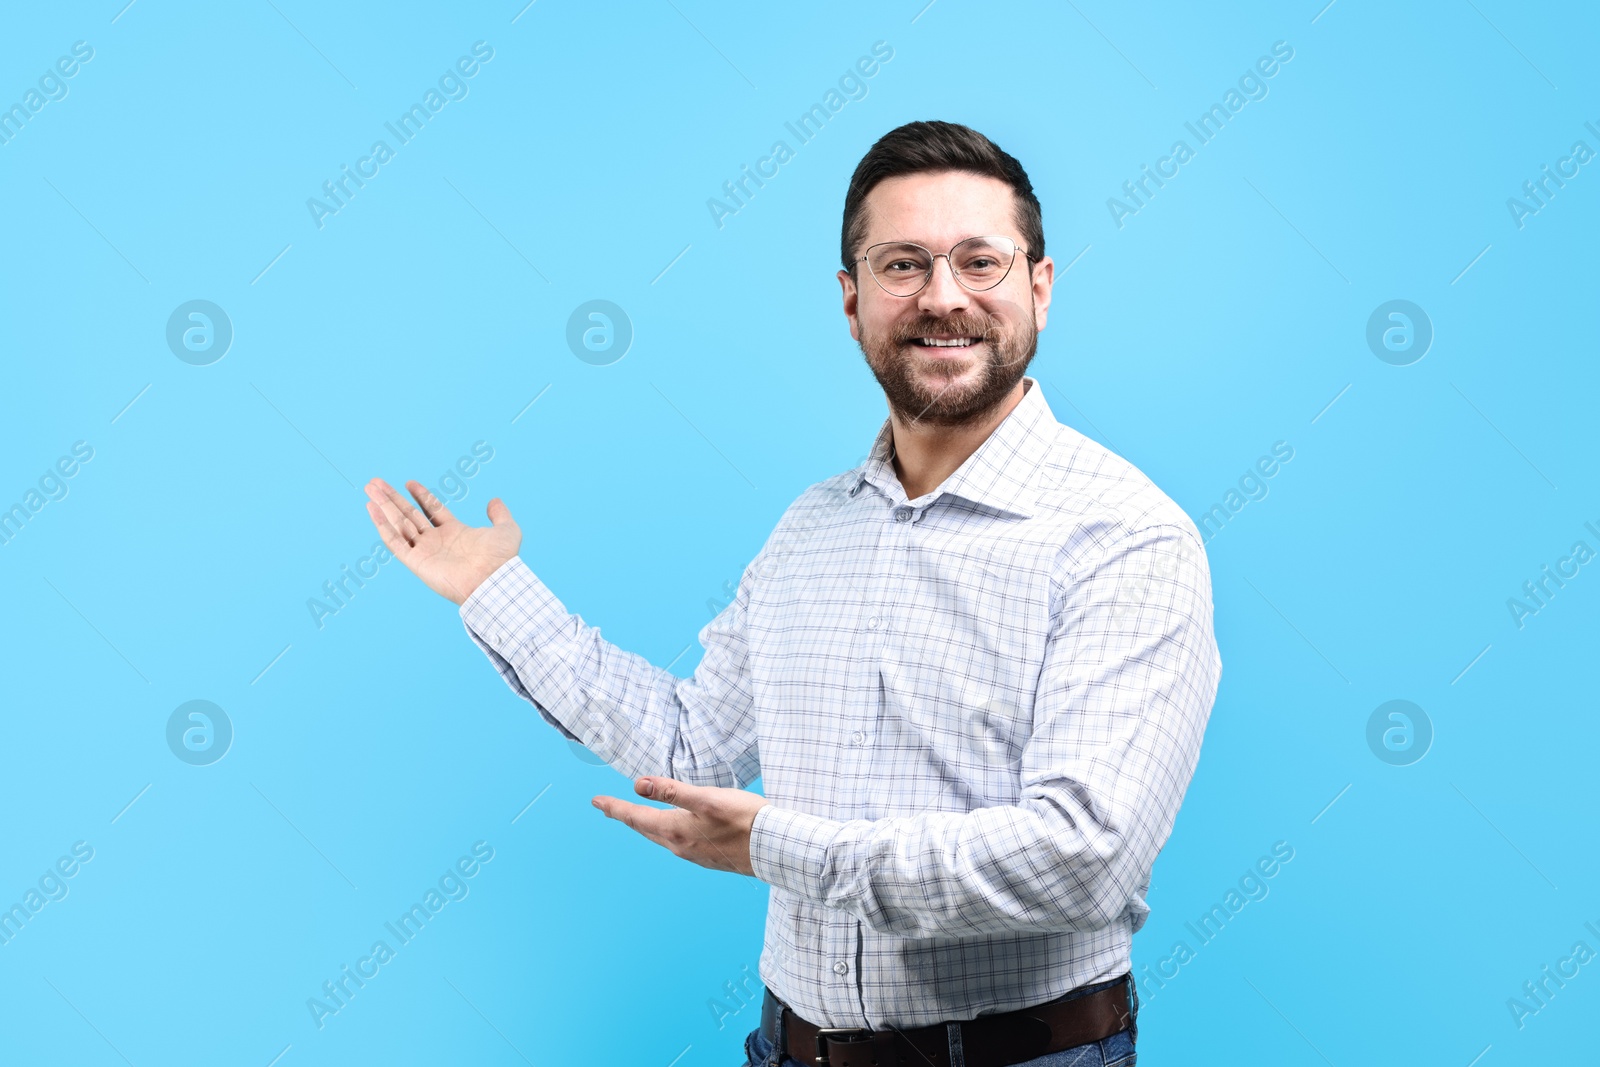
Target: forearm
{"x":629,"y":712}
{"x":1044,"y":864}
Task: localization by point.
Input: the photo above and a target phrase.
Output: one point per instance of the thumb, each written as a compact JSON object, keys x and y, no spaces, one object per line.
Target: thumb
{"x":668,"y":791}
{"x":498,"y":513}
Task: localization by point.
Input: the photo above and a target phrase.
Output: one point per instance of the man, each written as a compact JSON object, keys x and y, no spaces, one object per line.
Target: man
{"x":973,"y":673}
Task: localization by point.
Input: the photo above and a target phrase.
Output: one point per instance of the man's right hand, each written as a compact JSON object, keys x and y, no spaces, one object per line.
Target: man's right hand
{"x":451,"y":557}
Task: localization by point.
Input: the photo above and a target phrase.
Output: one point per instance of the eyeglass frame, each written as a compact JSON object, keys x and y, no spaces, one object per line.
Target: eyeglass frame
{"x":955,"y":274}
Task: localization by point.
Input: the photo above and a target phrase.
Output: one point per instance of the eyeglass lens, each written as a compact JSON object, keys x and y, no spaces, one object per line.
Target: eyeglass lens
{"x":979,"y":263}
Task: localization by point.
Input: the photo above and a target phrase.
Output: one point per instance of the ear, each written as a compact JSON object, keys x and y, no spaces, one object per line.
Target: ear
{"x":1044,"y":274}
{"x":848,"y":285}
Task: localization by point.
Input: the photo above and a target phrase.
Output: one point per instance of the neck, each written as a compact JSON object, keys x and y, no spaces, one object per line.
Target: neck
{"x":924,"y":455}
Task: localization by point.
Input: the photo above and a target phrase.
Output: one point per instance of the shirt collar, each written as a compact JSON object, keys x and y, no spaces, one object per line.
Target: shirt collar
{"x":1000,"y":472}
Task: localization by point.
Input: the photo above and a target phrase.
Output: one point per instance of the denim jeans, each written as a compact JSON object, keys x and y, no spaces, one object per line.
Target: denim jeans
{"x":1114,"y":1051}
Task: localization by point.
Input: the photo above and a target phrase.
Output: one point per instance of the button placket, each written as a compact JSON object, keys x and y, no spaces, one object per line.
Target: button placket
{"x":888,"y":572}
{"x":879,"y":592}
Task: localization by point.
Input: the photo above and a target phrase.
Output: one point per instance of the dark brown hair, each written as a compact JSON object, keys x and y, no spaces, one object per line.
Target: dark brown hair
{"x":922,"y":147}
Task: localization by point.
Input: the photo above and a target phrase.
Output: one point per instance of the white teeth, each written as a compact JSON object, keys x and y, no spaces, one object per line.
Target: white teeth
{"x":958,"y":342}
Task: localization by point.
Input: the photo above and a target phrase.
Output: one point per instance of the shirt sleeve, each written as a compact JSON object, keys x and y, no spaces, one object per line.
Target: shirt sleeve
{"x":639,"y":718}
{"x":1129,"y":676}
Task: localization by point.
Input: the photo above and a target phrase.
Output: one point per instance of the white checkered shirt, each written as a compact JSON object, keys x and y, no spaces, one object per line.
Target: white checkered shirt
{"x":974,"y":713}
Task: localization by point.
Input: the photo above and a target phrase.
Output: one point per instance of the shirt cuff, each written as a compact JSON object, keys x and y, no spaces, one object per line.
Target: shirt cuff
{"x":789,"y":849}
{"x":509,"y":606}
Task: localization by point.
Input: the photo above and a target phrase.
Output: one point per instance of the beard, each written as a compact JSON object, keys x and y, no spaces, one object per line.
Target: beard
{"x":951,"y":392}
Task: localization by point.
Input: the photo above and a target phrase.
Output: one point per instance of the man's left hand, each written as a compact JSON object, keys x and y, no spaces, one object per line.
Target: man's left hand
{"x":711,"y":826}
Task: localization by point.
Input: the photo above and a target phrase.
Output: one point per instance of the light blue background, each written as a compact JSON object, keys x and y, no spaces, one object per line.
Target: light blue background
{"x":1223,"y":317}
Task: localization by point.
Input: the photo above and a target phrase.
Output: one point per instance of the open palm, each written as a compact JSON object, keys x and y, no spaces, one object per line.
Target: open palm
{"x":450,"y":557}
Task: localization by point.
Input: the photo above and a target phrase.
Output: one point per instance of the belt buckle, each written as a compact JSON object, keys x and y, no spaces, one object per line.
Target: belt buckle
{"x":823,"y":1033}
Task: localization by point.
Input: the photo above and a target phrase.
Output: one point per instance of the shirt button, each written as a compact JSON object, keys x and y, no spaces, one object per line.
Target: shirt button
{"x":902,"y":514}
{"x":858,"y":737}
{"x":841,"y":967}
{"x":872,"y":623}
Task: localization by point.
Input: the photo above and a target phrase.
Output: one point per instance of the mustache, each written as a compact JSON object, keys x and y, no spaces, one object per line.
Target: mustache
{"x":986,"y":329}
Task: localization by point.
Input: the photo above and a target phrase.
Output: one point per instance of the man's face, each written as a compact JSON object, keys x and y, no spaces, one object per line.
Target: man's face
{"x":946,"y":386}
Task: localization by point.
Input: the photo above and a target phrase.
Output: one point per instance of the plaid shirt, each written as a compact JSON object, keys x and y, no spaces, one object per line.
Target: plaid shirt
{"x":974,"y":713}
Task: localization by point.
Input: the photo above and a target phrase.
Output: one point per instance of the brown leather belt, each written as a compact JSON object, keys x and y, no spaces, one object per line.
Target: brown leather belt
{"x":987,"y":1041}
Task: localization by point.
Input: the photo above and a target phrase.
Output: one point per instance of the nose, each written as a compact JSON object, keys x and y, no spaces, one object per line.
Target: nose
{"x":943,"y":294}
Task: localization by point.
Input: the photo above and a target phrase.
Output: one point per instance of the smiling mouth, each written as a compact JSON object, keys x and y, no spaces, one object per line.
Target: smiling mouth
{"x":945,"y":343}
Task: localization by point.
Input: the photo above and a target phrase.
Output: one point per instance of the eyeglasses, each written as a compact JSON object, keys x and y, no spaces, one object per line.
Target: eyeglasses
{"x":902,"y":268}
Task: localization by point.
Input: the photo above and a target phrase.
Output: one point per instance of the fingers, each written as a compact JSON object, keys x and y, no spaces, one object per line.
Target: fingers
{"x":391,"y":538}
{"x":402,"y":515}
{"x":655,"y":823}
{"x":432,"y":506}
{"x":403,"y":527}
{"x":676,"y":829}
